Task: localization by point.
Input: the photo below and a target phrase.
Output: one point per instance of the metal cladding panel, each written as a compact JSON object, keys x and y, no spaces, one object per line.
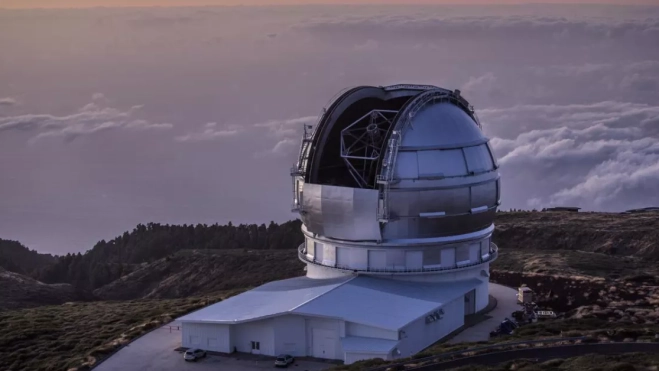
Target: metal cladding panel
{"x":484,"y":195}
{"x":311,"y":201}
{"x":442,"y":163}
{"x":484,"y":219}
{"x":494,"y":158}
{"x":407,"y":166}
{"x":456,"y":182}
{"x":478,"y":158}
{"x":442,"y":124}
{"x":404,"y":203}
{"x":449,"y":201}
{"x":437,"y":227}
{"x":341,"y":212}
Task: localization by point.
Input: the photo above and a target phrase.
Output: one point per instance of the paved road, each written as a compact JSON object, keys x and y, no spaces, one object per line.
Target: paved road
{"x":155,"y":352}
{"x":506,"y":304}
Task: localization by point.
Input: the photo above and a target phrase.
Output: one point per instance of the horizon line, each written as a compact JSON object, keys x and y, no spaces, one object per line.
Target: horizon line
{"x":295,"y":3}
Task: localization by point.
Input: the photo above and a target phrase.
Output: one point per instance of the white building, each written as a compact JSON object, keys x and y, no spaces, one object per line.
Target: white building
{"x":397,"y":221}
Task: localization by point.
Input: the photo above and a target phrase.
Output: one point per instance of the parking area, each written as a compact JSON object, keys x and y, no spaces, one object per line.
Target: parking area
{"x":506,"y":304}
{"x":155,"y":352}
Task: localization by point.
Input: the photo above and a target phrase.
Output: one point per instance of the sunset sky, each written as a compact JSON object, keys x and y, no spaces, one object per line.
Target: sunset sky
{"x":110,"y":117}
{"x":140,"y":3}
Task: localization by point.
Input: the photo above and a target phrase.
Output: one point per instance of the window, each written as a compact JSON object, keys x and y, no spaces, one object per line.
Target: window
{"x":256,"y":345}
{"x":310,"y":248}
{"x":478,"y":158}
{"x":396,"y":258}
{"x":485,"y":249}
{"x":319,"y":250}
{"x":443,"y":163}
{"x":462,"y":254}
{"x":432,"y":256}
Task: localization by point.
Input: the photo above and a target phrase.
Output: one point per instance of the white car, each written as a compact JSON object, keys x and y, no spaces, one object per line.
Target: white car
{"x":283,"y":360}
{"x":194,"y":354}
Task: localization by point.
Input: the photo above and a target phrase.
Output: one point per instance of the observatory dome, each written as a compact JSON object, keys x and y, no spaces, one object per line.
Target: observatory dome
{"x":402,"y":162}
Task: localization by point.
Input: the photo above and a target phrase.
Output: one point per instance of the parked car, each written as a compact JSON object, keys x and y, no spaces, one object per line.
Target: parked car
{"x":194,"y":354}
{"x":283,"y":360}
{"x":506,"y":327}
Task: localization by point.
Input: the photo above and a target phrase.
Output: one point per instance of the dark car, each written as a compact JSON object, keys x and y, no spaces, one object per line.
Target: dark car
{"x":506,"y":327}
{"x":283,"y":360}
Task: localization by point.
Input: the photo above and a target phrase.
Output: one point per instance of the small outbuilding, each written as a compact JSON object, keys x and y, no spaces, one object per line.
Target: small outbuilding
{"x":643,"y":210}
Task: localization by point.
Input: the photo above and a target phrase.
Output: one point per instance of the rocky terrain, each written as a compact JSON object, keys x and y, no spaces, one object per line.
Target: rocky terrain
{"x":634,"y":235}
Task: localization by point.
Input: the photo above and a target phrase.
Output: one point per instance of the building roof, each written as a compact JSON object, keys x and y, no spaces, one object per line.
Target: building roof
{"x":268,"y":300}
{"x":367,"y":345}
{"x":385,"y":303}
{"x":379,"y":302}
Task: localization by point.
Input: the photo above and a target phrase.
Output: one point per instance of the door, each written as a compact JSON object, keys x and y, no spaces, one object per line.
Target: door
{"x":470,"y":302}
{"x":342,"y":257}
{"x":414,"y":259}
{"x":256,"y":347}
{"x":377,"y":259}
{"x":213,"y":344}
{"x":323,"y":343}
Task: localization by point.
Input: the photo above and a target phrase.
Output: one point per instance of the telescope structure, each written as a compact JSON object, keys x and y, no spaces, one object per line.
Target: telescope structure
{"x":397,"y":188}
{"x":397,"y":181}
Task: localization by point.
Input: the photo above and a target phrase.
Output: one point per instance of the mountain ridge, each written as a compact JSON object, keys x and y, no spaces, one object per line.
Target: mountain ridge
{"x":166,"y":261}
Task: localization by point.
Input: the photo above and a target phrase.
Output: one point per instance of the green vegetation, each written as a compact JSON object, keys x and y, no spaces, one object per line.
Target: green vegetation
{"x":77,"y":334}
{"x":573,"y":263}
{"x":593,"y":362}
{"x":17,"y":258}
{"x":107,"y":261}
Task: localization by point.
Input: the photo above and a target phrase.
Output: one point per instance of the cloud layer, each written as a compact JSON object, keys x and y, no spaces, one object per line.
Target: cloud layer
{"x":92,"y":118}
{"x":7,"y":101}
{"x":600,"y":156}
{"x":568,"y":95}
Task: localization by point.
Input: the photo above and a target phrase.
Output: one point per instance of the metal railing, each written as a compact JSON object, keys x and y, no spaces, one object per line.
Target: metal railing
{"x":493,"y":253}
{"x":175,"y":328}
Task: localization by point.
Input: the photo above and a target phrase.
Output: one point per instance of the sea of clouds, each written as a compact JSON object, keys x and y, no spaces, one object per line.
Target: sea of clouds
{"x":112,"y":117}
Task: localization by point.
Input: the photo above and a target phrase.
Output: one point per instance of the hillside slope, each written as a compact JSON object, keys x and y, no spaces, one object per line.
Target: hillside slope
{"x":200,"y":272}
{"x":613,"y":234}
{"x":18,"y":291}
{"x":163,"y":261}
{"x":108,"y":261}
{"x":530,"y":242}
